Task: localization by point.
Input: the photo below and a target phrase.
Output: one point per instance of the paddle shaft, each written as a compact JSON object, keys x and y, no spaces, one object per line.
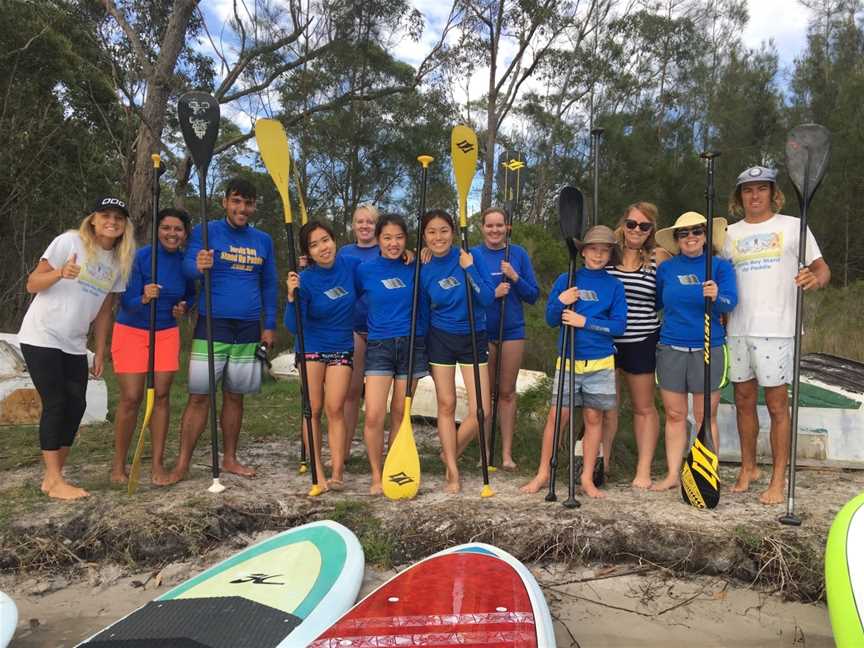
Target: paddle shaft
{"x":415,"y":295}
{"x":790,"y":517}
{"x":596,"y":134}
{"x":208,"y":325}
{"x":559,"y":396}
{"x":705,"y":427}
{"x":154,"y":249}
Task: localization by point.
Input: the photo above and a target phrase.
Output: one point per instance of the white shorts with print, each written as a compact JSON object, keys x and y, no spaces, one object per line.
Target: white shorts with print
{"x":768,"y":360}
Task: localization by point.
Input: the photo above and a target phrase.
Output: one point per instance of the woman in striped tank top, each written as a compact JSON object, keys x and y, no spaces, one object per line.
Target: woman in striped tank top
{"x":635,"y":355}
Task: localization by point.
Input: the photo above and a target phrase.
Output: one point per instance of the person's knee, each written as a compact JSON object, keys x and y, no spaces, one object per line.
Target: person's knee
{"x":374,"y":418}
{"x":644,"y":409}
{"x":778,"y":409}
{"x":592,"y":416}
{"x":507,"y":396}
{"x":161,"y":397}
{"x":334,"y":410}
{"x":130,"y":400}
{"x":746,"y":397}
{"x":447,"y":407}
{"x":676,"y":414}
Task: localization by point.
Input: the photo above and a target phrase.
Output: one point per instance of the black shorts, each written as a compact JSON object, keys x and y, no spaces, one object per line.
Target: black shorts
{"x":637,"y":357}
{"x":448,"y":349}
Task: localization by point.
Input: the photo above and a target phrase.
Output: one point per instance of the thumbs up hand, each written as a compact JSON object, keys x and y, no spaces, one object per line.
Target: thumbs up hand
{"x":70,"y":269}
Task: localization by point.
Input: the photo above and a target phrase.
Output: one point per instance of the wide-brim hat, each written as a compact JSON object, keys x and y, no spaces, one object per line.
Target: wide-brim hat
{"x":666,"y":236}
{"x":601,"y":235}
{"x":108,"y":202}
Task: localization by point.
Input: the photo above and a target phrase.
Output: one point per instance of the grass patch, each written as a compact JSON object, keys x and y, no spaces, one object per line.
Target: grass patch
{"x":378,"y":545}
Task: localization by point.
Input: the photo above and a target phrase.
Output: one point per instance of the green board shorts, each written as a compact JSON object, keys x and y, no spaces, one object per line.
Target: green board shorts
{"x":683,"y":371}
{"x":234,"y":344}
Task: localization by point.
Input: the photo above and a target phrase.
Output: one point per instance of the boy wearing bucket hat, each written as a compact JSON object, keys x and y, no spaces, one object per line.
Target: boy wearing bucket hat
{"x":599,"y":315}
{"x":763,"y":248}
{"x":681,"y":293}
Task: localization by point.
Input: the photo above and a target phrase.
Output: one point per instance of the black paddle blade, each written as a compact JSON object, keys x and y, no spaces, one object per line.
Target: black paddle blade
{"x":808,"y":149}
{"x":571,"y":216}
{"x":198,"y":113}
{"x":700,"y":482}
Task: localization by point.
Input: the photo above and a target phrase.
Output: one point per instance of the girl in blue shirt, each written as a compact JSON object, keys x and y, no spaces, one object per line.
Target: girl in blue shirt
{"x":387,"y":284}
{"x":448,"y":343}
{"x":327,"y":297}
{"x":514,"y":282}
{"x":130,"y":339}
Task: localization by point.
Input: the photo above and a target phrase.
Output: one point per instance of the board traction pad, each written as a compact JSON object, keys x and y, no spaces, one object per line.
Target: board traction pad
{"x":225,"y":622}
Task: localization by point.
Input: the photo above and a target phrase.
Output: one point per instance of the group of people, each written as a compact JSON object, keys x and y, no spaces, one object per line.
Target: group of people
{"x":356,"y":310}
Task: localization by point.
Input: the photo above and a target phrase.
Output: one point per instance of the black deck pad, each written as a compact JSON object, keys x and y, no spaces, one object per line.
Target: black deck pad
{"x":227,"y":622}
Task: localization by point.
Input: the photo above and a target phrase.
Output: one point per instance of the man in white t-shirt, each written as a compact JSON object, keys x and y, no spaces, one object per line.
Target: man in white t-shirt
{"x":763,"y":247}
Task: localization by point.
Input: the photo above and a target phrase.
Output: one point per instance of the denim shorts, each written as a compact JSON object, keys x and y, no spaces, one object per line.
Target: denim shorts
{"x":390,"y":357}
{"x":449,"y":349}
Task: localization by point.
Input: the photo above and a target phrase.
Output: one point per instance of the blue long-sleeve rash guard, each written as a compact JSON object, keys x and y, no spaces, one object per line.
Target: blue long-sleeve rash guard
{"x":361,"y":308}
{"x":679,"y":294}
{"x":603,"y":303}
{"x":523,"y":291}
{"x":442,"y":282}
{"x":174,"y":289}
{"x":327,"y":298}
{"x":387,"y":286}
{"x":243,"y":276}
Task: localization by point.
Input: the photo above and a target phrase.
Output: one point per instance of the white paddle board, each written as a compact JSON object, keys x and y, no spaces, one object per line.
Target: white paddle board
{"x":844,"y":574}
{"x":8,"y":619}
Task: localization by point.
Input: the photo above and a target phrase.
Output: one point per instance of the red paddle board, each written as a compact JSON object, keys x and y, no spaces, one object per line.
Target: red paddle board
{"x":472,"y":595}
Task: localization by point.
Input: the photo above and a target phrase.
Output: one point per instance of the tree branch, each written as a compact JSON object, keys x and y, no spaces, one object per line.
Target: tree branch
{"x":131,"y":34}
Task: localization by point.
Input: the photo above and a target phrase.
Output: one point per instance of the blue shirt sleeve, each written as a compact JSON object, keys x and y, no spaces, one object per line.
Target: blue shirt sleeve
{"x":554,"y":307}
{"x":660,"y":280}
{"x":526,"y":288}
{"x":269,"y":287}
{"x":486,"y":294}
{"x":130,"y":300}
{"x":727,"y":288}
{"x":190,"y":269}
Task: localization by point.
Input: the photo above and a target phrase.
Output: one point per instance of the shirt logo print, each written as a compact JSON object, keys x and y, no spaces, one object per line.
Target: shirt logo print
{"x":393,"y":283}
{"x":688,"y":280}
{"x":336,"y":292}
{"x":588,"y":295}
{"x":449,"y":282}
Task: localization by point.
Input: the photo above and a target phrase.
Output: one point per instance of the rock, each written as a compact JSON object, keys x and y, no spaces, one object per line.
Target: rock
{"x":40,"y":587}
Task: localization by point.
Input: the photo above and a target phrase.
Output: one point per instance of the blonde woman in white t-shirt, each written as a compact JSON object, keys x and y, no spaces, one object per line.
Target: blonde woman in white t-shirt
{"x":75,"y":283}
{"x":763,"y":247}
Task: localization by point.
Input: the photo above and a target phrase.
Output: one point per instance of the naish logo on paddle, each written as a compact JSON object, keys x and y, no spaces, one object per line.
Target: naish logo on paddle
{"x":336,"y":292}
{"x":400,"y":479}
{"x":688,"y":280}
{"x":257,"y":579}
{"x":588,"y":295}
{"x":449,"y":282}
{"x":465,"y":146}
{"x":393,"y":283}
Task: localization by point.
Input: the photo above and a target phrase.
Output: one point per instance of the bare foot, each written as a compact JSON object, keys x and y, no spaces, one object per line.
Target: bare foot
{"x":535,"y":485}
{"x":642,"y":483}
{"x":237,"y":468}
{"x":773,"y":494}
{"x":508,"y":464}
{"x":667,"y":484}
{"x":161,"y":477}
{"x":745,"y":477}
{"x":62,"y":490}
{"x":336,"y":484}
{"x":376,"y":489}
{"x":590,"y":489}
{"x":454,"y":484}
{"x":119,"y":476}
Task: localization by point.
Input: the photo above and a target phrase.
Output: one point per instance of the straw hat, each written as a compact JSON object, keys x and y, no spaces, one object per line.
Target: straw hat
{"x":666,"y":236}
{"x":601,"y":235}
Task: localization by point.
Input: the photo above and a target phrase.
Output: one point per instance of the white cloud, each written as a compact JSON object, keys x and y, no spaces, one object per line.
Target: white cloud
{"x":783,"y":21}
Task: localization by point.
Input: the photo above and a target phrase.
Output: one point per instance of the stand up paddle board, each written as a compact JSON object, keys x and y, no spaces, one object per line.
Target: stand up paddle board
{"x":8,"y":619}
{"x":844,"y":574}
{"x":473,"y":594}
{"x":282,"y":592}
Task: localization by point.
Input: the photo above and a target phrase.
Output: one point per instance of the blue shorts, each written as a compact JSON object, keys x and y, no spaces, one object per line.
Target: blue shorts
{"x":509,"y":334}
{"x":390,"y":358}
{"x":449,"y":349}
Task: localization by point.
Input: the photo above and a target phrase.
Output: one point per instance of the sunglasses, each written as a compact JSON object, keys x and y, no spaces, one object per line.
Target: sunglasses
{"x":687,"y":231}
{"x":643,"y":227}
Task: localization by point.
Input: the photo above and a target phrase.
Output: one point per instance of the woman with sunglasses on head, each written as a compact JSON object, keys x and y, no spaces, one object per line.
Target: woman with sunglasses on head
{"x":327,"y":295}
{"x":448,"y":343}
{"x":76,"y":285}
{"x":681,"y":293}
{"x":514,"y":282}
{"x":130,"y":340}
{"x":387,"y":284}
{"x":635,"y":350}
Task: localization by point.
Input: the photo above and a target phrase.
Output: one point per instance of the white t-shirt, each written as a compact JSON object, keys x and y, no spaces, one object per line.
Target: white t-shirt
{"x":765,"y":256}
{"x":60,"y":317}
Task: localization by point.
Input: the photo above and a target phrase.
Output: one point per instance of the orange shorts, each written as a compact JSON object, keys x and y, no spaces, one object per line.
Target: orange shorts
{"x":129,"y":349}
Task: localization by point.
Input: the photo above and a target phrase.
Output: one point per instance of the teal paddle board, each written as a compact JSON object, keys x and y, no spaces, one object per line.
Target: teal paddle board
{"x":278,"y":593}
{"x":8,"y":619}
{"x":844,"y":574}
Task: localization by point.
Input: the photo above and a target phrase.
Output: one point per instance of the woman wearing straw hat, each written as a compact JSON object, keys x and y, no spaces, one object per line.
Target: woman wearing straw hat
{"x":681,"y":293}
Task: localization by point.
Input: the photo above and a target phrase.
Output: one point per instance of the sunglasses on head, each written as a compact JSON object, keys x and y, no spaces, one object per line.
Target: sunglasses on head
{"x":687,"y":231}
{"x":643,"y":227}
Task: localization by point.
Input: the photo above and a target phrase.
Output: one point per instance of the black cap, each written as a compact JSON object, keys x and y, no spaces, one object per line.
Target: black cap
{"x":107,"y":202}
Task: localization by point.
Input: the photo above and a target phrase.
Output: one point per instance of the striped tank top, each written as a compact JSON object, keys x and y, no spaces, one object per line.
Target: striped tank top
{"x":640,"y":286}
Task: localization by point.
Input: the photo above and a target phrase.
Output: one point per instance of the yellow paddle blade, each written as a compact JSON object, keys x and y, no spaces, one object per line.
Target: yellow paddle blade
{"x":463,"y":150}
{"x":304,"y":216}
{"x":700,"y":481}
{"x":273,"y":146}
{"x":135,"y":470}
{"x":402,"y":466}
